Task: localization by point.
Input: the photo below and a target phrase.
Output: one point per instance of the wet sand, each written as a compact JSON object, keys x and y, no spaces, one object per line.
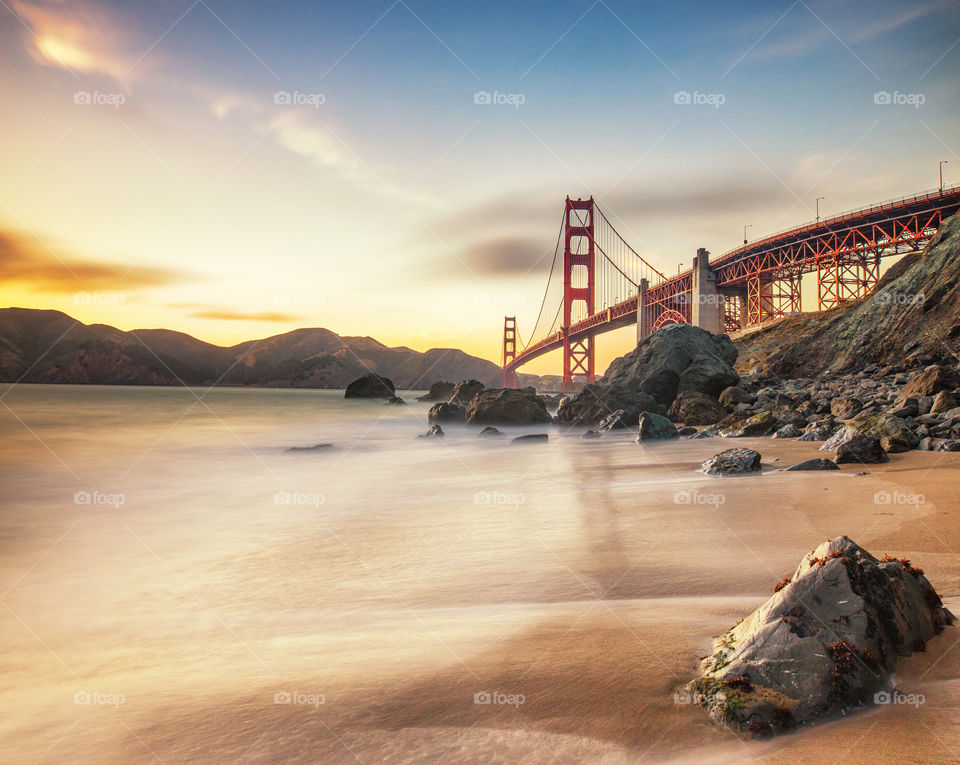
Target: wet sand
{"x":617,"y":585}
{"x":598,"y":675}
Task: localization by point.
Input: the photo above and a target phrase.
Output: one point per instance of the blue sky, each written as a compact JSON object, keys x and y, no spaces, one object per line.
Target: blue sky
{"x":398,"y":207}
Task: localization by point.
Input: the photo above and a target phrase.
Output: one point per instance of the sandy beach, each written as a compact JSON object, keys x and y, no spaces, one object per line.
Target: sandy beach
{"x":581,"y":608}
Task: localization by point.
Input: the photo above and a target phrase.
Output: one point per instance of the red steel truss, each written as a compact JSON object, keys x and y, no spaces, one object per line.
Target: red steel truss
{"x":579,"y":267}
{"x":509,"y":351}
{"x":844,"y":251}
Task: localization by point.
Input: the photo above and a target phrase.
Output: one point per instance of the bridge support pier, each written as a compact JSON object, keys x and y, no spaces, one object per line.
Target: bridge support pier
{"x":642,"y":329}
{"x":707,"y":302}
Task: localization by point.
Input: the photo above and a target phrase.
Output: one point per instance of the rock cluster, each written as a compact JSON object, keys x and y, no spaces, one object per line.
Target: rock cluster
{"x":862,"y":416}
{"x":827,"y":640}
{"x":666,"y":368}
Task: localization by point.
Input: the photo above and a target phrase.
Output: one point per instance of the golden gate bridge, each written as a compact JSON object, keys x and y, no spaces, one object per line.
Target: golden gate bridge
{"x":607,"y":285}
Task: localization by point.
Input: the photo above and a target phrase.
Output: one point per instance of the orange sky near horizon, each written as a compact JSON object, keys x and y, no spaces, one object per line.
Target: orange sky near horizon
{"x":236,"y":174}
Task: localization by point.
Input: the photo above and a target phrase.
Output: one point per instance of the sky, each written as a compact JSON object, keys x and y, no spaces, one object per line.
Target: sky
{"x":237,"y":170}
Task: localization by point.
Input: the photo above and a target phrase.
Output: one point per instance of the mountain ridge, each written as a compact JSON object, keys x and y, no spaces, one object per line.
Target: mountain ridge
{"x":49,"y":346}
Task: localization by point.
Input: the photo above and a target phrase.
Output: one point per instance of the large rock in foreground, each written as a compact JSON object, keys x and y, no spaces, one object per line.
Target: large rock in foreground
{"x":827,"y":640}
{"x":507,"y":406}
{"x":370,"y":386}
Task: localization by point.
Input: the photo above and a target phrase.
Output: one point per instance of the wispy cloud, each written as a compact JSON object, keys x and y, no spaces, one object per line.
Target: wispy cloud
{"x":228,"y":315}
{"x":29,"y":263}
{"x":79,"y":36}
{"x":801,"y":33}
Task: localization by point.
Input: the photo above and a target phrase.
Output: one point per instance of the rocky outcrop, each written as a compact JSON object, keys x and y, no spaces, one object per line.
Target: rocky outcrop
{"x":760,"y":424}
{"x":439,"y":391}
{"x":692,"y":407}
{"x":732,"y":461}
{"x":734,"y":395}
{"x":444,"y":412}
{"x":465,"y":390}
{"x":672,"y":360}
{"x":370,"y":386}
{"x":931,"y":381}
{"x":827,"y":640}
{"x":507,"y":406}
{"x":850,"y":445}
{"x":892,"y":432}
{"x":596,"y":402}
{"x":653,"y":427}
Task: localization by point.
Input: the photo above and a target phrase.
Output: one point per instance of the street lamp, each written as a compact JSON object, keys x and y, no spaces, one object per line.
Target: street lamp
{"x":942,"y":163}
{"x":749,"y":225}
{"x":818,"y":208}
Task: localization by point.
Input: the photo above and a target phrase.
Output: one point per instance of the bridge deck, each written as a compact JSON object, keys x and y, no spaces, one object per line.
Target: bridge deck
{"x":801,"y":247}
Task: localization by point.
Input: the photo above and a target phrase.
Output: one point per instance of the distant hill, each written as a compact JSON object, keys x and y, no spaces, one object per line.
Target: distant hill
{"x":52,"y":347}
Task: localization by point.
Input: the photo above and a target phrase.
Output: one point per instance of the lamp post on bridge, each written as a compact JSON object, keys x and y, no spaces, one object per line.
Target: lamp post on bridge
{"x":818,"y":208}
{"x":749,"y":225}
{"x":942,"y":163}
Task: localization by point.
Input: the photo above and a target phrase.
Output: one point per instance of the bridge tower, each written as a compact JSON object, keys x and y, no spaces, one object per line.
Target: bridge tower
{"x":509,"y":350}
{"x":578,"y":286}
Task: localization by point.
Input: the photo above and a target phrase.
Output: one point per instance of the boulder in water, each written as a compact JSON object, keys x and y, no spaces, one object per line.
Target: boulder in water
{"x":464,"y":391}
{"x":530,"y":439}
{"x":507,"y":406}
{"x":439,"y":391}
{"x":653,"y":427}
{"x":444,"y":412}
{"x":370,"y":386}
{"x":732,"y":461}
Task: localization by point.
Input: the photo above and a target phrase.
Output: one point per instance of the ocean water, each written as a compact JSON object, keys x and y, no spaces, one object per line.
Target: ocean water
{"x":178,"y":587}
